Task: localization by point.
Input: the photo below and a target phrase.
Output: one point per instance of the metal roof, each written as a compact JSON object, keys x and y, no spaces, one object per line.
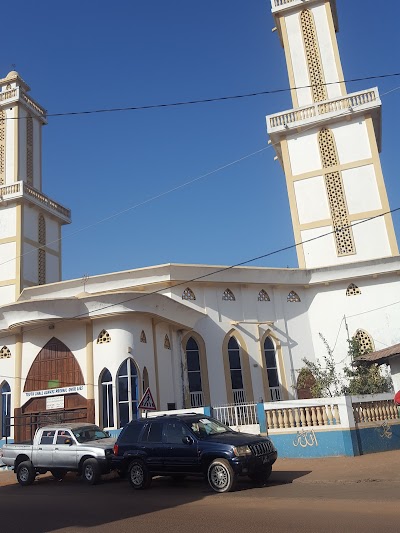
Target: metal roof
{"x":381,"y":356}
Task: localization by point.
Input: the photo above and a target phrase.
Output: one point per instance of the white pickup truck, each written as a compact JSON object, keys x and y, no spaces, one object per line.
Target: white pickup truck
{"x":82,"y":448}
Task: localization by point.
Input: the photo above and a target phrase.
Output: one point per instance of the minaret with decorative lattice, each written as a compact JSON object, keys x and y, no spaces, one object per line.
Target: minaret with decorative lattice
{"x":328,"y":145}
{"x":30,"y":222}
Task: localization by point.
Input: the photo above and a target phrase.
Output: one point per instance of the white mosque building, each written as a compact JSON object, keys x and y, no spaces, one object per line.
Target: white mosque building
{"x":198,"y":334}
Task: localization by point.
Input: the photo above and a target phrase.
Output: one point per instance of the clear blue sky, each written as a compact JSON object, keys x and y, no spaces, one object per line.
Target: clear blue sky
{"x":86,"y":55}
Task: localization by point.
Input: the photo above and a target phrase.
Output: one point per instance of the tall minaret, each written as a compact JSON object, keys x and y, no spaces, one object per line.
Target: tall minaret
{"x":329,"y":145}
{"x":30,"y":222}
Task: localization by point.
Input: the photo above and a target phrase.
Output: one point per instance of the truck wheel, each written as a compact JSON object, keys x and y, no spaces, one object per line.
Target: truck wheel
{"x":220,"y":476}
{"x":261,"y":476}
{"x":25,"y":473}
{"x":91,"y":471}
{"x":139,"y":475}
{"x":58,"y":474}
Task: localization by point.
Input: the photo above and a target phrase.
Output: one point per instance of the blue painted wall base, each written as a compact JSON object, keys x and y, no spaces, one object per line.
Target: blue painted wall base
{"x":308,"y":442}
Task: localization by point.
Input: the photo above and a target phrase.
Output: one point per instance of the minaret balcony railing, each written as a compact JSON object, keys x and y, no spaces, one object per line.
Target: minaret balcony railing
{"x":20,"y":189}
{"x":17,"y":94}
{"x":282,"y":4}
{"x":346,"y":105}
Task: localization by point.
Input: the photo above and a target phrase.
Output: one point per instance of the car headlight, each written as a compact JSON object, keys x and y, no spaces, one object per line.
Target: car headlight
{"x":240,"y":451}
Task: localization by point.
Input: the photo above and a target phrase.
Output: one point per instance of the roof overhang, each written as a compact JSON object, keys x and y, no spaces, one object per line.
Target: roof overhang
{"x":49,"y":312}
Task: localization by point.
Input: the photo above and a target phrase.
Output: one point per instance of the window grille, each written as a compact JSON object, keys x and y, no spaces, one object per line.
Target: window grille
{"x":188,"y":294}
{"x":103,"y":337}
{"x":228,"y":296}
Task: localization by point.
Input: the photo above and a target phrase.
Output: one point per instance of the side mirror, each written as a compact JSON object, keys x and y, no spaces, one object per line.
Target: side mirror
{"x":68,"y":441}
{"x":187,"y":440}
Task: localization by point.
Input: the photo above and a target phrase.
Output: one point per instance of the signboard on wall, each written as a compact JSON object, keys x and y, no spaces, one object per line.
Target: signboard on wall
{"x":80,"y":389}
{"x":55,"y":402}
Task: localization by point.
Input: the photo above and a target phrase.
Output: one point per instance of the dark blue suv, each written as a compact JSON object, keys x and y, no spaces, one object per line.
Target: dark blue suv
{"x":191,"y":444}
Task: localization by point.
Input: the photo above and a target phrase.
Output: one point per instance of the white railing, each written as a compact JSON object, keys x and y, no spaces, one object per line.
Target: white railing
{"x":46,"y":201}
{"x":8,"y":190}
{"x":239,"y":396}
{"x":374,"y":408}
{"x":275,"y":393}
{"x":22,"y":189}
{"x":279,"y":3}
{"x":350,"y":102}
{"x":304,"y":413}
{"x":33,"y":104}
{"x":7,"y":95}
{"x":196,"y":399}
{"x":236,"y":415}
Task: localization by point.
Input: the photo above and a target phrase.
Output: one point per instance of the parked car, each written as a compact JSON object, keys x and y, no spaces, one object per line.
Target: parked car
{"x":82,"y":448}
{"x":191,"y":444}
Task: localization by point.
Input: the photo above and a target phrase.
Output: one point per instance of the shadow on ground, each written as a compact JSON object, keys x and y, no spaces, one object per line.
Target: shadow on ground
{"x":48,"y":505}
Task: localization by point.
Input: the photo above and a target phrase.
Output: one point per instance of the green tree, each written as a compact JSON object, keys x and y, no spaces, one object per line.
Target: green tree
{"x":364,"y":377}
{"x":327,"y":381}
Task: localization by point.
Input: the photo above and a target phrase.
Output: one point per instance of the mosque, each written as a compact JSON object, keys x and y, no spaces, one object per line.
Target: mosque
{"x":201,"y":335}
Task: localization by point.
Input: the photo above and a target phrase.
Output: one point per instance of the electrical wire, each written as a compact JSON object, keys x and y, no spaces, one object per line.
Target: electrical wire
{"x":165,"y":193}
{"x":186,"y":282}
{"x":208,"y":100}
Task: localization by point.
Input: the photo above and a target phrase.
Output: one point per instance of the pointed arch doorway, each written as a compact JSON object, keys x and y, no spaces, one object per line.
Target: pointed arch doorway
{"x":54,"y":368}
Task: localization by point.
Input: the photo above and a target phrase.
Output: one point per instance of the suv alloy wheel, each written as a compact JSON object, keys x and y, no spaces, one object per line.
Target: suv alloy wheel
{"x":221,"y":476}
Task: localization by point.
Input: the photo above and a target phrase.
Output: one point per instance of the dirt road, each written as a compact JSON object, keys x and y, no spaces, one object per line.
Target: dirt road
{"x":312,"y":496}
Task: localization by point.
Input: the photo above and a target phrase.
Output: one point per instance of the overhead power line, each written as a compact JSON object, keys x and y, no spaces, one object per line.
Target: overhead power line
{"x":217,"y":271}
{"x":208,"y":100}
{"x":197,"y":278}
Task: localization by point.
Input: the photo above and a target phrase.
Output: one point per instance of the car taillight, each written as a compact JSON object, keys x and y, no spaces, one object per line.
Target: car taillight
{"x":115,"y":449}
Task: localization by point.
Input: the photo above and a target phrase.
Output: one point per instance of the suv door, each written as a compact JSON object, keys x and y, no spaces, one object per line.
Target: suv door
{"x":181,"y":449}
{"x":152,"y":445}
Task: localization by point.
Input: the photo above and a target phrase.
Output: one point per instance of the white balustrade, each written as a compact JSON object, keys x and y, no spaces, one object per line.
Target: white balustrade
{"x":196,"y":399}
{"x":239,"y":396}
{"x":20,"y":188}
{"x":275,"y":394}
{"x":317,"y":412}
{"x":372,"y":409}
{"x":349,"y":103}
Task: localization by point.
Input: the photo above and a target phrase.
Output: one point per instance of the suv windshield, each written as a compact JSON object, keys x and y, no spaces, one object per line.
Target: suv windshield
{"x":205,"y":427}
{"x":86,"y":434}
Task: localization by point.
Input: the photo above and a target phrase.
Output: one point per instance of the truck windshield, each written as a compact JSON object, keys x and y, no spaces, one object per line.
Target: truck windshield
{"x":86,"y":434}
{"x":205,"y":427}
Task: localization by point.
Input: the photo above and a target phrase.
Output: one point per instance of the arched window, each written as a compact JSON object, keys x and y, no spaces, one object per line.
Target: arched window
{"x":167,"y":343}
{"x":106,"y":399}
{"x":365,"y":342}
{"x":236,"y":371}
{"x":352,"y":290}
{"x":228,"y":296}
{"x":188,"y":294}
{"x":103,"y":337}
{"x":145,"y":380}
{"x":5,"y":393}
{"x":194,"y":373}
{"x":263,"y":296}
{"x":127,"y":392}
{"x":293,"y":297}
{"x":5,"y":353}
{"x":272,"y":369}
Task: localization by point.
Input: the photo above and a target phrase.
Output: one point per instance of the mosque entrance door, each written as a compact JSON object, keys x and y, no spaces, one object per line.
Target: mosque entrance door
{"x":55,"y":388}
